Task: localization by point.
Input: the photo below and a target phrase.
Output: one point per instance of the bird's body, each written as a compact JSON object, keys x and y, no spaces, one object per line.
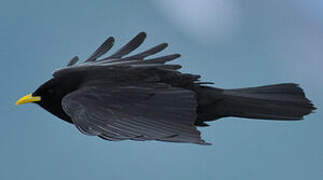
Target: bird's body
{"x":119,"y":98}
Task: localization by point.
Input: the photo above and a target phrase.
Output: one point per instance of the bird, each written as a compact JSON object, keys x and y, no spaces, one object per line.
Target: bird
{"x":137,"y":97}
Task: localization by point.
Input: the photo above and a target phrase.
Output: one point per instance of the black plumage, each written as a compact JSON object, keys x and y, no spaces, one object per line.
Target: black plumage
{"x":124,"y":97}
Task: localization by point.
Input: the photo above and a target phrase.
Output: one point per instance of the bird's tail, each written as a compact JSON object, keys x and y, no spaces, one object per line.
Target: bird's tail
{"x":274,"y":102}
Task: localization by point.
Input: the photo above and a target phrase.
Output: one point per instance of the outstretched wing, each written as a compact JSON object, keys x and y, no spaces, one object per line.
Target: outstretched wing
{"x":118,"y":58}
{"x":136,"y":112}
{"x":120,"y":67}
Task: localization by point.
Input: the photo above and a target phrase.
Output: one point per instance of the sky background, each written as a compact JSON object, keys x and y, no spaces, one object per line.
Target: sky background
{"x":231,"y":42}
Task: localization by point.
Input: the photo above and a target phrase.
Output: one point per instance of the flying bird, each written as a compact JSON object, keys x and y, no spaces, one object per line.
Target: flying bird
{"x":136,"y":97}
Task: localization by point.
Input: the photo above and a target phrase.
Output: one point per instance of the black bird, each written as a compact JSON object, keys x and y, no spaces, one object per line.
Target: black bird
{"x":138,"y":98}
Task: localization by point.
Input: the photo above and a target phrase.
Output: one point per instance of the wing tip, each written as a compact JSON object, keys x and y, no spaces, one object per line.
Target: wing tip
{"x":140,"y":37}
{"x":110,"y":39}
{"x":142,"y":34}
{"x":73,"y":61}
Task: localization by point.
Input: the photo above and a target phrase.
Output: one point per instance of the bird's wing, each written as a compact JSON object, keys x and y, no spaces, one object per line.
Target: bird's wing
{"x":136,"y":112}
{"x":119,"y":67}
{"x":118,"y":58}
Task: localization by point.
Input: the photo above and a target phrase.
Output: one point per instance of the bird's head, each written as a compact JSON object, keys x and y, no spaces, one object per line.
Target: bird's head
{"x":49,"y":96}
{"x":46,"y":93}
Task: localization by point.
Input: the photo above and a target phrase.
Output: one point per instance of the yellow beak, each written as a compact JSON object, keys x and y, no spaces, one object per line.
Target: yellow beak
{"x":28,"y":99}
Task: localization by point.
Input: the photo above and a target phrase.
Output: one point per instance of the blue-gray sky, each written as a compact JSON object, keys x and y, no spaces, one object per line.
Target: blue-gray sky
{"x":233,"y":43}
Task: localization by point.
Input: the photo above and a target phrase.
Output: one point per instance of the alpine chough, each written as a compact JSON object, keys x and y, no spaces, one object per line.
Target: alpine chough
{"x":135,"y":97}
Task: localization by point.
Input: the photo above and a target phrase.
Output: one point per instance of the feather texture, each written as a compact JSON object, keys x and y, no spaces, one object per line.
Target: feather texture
{"x":140,"y":112}
{"x":118,"y":59}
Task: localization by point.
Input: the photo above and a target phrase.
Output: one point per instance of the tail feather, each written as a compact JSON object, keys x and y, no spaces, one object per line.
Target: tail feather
{"x":274,"y":102}
{"x":280,"y":102}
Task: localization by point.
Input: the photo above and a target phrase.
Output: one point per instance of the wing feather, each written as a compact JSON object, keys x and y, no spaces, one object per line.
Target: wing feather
{"x":104,"y":48}
{"x":129,"y":47}
{"x":134,"y":112}
{"x":148,"y":52}
{"x":73,"y":61}
{"x":118,"y":59}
